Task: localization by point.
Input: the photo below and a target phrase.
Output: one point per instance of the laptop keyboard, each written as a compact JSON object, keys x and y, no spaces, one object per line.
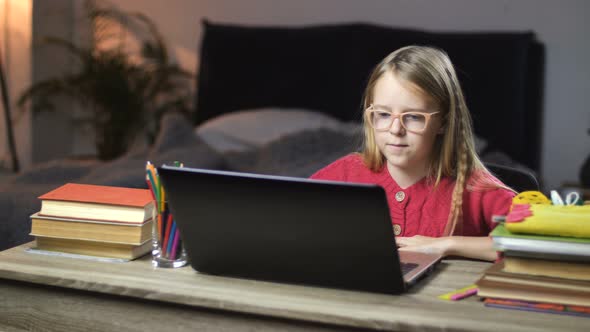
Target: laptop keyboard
{"x":407,"y":267}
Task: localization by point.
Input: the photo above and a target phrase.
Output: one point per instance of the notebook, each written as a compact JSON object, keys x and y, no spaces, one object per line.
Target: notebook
{"x":293,"y":230}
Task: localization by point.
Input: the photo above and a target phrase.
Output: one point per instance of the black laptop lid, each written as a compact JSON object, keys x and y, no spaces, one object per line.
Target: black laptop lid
{"x":285,"y":229}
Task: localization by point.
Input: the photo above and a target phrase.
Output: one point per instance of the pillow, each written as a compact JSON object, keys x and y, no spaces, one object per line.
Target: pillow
{"x":299,"y":154}
{"x":175,"y":142}
{"x":480,"y":144}
{"x":251,"y":129}
{"x":122,"y":172}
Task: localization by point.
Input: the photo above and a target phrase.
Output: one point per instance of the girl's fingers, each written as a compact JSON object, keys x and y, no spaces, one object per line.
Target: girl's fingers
{"x":400,"y":241}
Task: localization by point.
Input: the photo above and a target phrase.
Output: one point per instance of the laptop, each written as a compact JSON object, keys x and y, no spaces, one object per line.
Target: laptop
{"x":293,"y":230}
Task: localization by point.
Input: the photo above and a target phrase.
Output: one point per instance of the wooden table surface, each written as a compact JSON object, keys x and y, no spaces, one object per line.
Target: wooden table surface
{"x":59,"y":293}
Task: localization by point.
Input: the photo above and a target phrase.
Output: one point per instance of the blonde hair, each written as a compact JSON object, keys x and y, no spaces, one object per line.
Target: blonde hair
{"x":431,"y":71}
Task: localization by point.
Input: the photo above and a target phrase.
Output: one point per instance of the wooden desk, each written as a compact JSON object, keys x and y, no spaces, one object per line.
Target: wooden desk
{"x":64,"y":294}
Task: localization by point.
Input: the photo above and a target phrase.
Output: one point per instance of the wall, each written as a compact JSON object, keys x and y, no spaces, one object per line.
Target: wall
{"x":561,"y":25}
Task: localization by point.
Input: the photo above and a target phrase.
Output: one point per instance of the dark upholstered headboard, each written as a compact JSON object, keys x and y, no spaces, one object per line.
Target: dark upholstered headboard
{"x":325,"y":68}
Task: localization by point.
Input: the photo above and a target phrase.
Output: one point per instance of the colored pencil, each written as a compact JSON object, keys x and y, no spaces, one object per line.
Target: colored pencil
{"x":170,"y":240}
{"x":175,"y":244}
{"x":167,"y":235}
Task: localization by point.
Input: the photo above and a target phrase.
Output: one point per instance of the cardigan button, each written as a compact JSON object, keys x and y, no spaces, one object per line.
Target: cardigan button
{"x":397,"y":229}
{"x":399,"y":196}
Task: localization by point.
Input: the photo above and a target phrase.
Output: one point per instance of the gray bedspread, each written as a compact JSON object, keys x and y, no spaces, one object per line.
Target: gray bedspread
{"x":300,"y":155}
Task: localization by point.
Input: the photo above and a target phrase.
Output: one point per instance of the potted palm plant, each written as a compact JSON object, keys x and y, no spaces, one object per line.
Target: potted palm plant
{"x":121,"y":93}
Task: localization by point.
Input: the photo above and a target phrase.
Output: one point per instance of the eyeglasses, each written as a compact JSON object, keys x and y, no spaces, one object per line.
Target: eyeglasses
{"x":381,"y":119}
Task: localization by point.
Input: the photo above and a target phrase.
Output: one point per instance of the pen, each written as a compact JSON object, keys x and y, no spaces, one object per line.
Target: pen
{"x":459,"y":294}
{"x":467,"y":293}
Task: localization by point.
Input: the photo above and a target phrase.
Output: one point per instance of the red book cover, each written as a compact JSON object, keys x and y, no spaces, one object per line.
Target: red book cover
{"x":87,"y":193}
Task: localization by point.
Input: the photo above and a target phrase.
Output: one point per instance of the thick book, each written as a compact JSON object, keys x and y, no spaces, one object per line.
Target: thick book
{"x":498,"y":272}
{"x":93,"y":248}
{"x":495,"y":283}
{"x":549,"y":268}
{"x":546,"y":255}
{"x":552,"y":308}
{"x":504,"y":240}
{"x":98,"y":203}
{"x":84,"y":229}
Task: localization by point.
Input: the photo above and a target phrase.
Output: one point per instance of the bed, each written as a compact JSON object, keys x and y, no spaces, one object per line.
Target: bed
{"x":324,"y":69}
{"x":287,"y":101}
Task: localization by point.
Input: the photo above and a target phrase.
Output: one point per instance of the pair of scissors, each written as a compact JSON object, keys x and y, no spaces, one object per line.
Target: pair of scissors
{"x":570,"y":199}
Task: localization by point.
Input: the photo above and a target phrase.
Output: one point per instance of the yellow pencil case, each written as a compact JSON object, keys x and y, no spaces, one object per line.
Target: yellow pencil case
{"x":560,"y":220}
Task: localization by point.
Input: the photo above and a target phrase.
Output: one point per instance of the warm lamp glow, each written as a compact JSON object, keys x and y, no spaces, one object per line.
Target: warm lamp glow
{"x":15,"y":73}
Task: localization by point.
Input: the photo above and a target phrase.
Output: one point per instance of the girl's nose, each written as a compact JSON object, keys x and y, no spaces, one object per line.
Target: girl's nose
{"x":396,"y":127}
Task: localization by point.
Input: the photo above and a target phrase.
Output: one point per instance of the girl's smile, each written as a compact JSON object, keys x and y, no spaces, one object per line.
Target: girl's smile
{"x":396,"y":147}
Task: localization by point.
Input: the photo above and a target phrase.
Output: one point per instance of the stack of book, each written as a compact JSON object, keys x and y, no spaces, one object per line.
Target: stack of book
{"x":93,"y":220}
{"x":538,"y":273}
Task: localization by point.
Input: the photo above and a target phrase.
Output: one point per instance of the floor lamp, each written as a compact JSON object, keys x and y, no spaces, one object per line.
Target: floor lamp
{"x":7,"y":117}
{"x":6,"y":98}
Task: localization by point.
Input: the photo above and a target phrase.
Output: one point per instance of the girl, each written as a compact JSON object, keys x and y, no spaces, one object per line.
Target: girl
{"x":418,"y":145}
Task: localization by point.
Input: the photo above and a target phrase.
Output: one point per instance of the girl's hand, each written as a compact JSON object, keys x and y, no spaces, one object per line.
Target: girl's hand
{"x":465,"y":246}
{"x":426,"y":244}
